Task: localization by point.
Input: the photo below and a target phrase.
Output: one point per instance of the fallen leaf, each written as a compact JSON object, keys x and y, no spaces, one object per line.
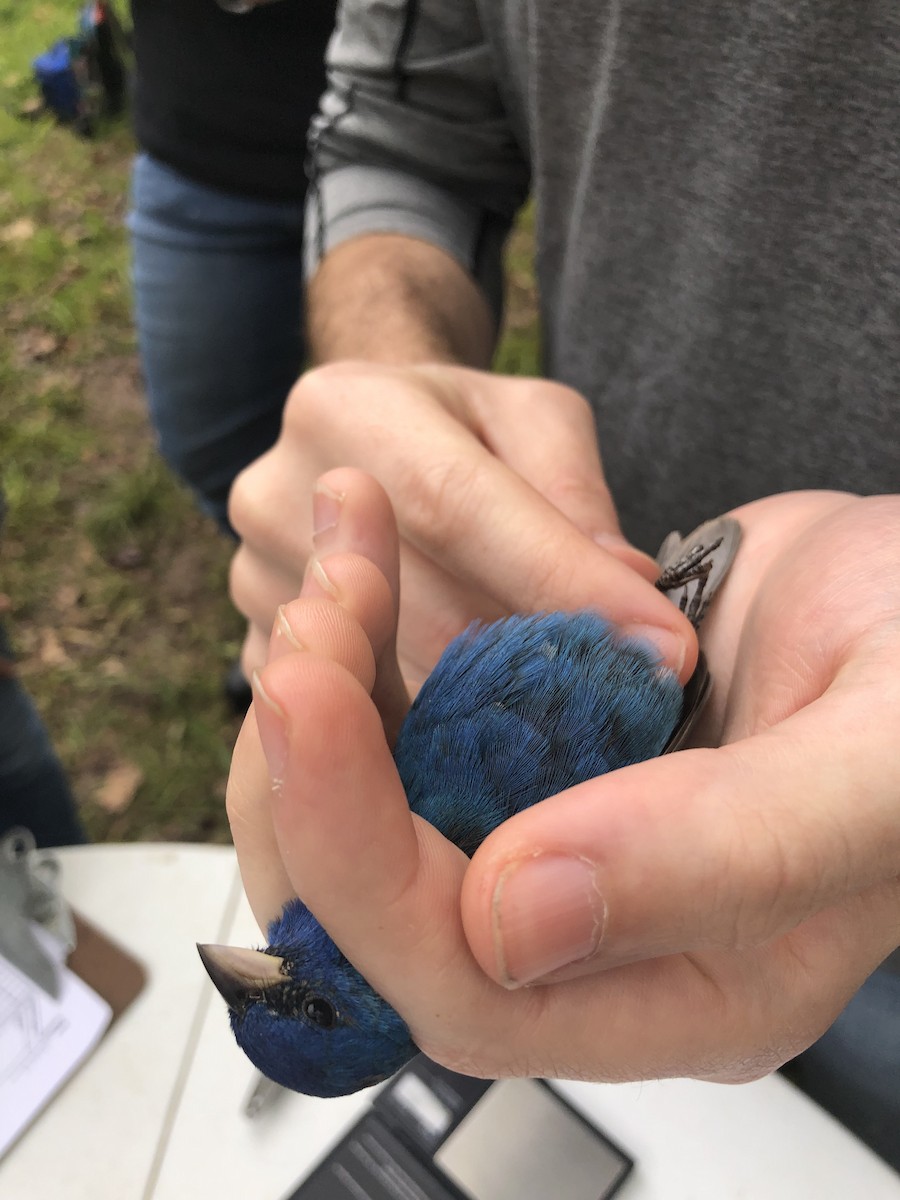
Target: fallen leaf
{"x":119,"y":787}
{"x":126,"y":558}
{"x":63,"y":380}
{"x":31,"y":109}
{"x":82,"y":637}
{"x":51,"y":652}
{"x":19,"y":231}
{"x":35,"y":345}
{"x":67,"y":596}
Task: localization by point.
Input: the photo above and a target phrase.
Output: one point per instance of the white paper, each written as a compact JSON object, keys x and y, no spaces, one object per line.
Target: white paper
{"x":42,"y":1041}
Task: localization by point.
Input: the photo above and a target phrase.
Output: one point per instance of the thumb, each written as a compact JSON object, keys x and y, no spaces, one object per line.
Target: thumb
{"x":706,"y":849}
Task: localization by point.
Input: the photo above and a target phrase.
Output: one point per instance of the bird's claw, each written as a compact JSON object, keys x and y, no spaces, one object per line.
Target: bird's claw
{"x":692,"y":569}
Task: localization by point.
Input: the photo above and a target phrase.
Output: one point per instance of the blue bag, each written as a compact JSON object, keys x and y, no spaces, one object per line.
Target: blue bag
{"x":85,"y":77}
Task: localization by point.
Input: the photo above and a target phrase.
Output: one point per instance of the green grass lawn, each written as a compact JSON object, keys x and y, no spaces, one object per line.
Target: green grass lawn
{"x":114,"y":587}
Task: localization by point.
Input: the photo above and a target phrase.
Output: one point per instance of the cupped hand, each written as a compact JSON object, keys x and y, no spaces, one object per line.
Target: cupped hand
{"x":705,"y":914}
{"x":499,"y":495}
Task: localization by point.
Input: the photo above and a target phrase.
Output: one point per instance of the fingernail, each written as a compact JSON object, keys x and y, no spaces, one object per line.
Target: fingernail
{"x":316,"y":581}
{"x":271,"y":723}
{"x":283,"y":640}
{"x":547,"y":912}
{"x":669,"y":647}
{"x":327,"y":505}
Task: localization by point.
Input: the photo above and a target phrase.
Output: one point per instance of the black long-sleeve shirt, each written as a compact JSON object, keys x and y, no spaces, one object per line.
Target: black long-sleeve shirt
{"x":225,"y":98}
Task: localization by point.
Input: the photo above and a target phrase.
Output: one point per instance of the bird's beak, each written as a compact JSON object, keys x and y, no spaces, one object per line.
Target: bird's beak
{"x":240,"y":974}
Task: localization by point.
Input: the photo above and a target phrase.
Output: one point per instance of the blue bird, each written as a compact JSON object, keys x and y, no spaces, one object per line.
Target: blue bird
{"x":514,"y":711}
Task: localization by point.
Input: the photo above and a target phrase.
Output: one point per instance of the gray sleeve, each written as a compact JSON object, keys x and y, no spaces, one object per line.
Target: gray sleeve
{"x":412,"y":136}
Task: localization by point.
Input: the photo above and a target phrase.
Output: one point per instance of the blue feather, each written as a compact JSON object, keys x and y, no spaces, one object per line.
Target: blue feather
{"x":513,"y":712}
{"x":524,"y":708}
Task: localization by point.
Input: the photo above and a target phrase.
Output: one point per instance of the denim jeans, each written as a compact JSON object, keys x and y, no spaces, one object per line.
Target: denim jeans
{"x":218,"y":305}
{"x":34,"y":791}
{"x":854,"y":1070}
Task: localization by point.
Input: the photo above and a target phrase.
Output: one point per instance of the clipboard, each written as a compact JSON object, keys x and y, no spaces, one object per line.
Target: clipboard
{"x":63,"y":984}
{"x":109,"y":970}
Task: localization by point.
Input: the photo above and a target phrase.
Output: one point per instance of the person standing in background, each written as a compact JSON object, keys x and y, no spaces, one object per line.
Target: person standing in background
{"x":34,"y":790}
{"x":222,"y":100}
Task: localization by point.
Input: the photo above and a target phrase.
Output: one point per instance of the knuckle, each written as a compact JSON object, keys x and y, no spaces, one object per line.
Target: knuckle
{"x":254,"y":652}
{"x":548,"y":394}
{"x":306,"y":402}
{"x":255,"y":592}
{"x":241,"y":499}
{"x":253,"y":495}
{"x":238,"y":571}
{"x":323,"y":391}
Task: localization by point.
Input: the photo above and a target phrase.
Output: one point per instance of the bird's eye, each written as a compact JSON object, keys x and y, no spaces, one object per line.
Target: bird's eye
{"x":320,"y":1012}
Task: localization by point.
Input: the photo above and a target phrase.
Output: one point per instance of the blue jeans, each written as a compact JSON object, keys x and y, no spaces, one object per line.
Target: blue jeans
{"x":218,"y":305}
{"x":34,"y":791}
{"x":854,"y":1070}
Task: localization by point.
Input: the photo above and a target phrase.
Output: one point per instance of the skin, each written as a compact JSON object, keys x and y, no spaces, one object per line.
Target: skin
{"x":729,"y":901}
{"x":496,"y":481}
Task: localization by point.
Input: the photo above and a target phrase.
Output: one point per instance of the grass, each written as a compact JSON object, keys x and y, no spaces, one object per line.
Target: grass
{"x":113,"y":585}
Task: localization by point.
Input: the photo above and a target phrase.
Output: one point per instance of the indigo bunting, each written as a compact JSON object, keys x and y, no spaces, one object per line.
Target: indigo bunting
{"x":513,"y":712}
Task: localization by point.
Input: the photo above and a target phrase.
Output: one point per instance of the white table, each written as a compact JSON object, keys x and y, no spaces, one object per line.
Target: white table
{"x":157,"y":1111}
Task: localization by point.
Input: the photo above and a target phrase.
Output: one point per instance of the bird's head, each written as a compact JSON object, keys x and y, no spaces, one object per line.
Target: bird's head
{"x":303,"y":1014}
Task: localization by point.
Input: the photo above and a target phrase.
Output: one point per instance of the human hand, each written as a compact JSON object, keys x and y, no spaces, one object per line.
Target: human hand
{"x":499,"y":495}
{"x":722,"y":905}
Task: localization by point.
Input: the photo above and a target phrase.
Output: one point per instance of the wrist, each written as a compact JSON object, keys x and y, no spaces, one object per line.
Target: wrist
{"x":397,"y":300}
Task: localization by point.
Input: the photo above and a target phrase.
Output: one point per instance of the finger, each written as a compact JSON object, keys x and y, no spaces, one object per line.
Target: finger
{"x":253,"y":651}
{"x":699,"y":850}
{"x":386,"y":887}
{"x":268,"y":505}
{"x":363,"y":602}
{"x":349,"y":511}
{"x":323,"y":627}
{"x":352,"y":512}
{"x":347,"y":612}
{"x":384,"y":884}
{"x":550,"y":439}
{"x":436,"y":608}
{"x":460,"y":506}
{"x":508,"y":540}
{"x":257,"y":586}
{"x":247,"y":802}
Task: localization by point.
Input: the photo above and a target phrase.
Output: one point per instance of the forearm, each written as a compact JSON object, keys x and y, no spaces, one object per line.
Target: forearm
{"x":416,"y":174}
{"x":395,"y":299}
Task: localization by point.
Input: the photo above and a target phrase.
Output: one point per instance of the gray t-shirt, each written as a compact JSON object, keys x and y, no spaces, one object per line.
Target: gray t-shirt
{"x":717,"y":191}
